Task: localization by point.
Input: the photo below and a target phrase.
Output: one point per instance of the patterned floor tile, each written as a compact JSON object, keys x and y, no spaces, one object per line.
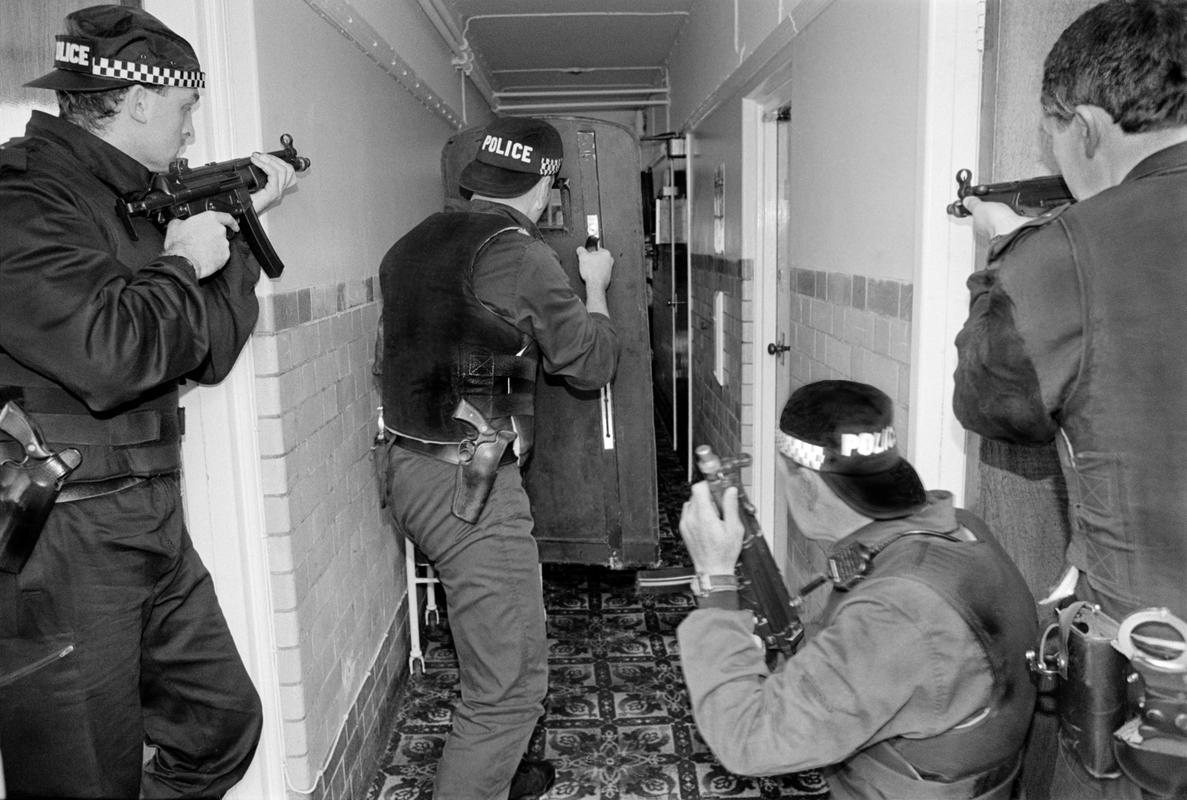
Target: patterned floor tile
{"x":617,"y":722}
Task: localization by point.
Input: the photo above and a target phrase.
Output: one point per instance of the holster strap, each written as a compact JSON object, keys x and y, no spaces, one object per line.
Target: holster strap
{"x":442,"y":451}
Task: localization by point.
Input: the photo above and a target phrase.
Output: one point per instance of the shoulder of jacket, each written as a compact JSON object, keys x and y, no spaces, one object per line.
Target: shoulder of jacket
{"x":14,"y":154}
{"x":1005,"y":242}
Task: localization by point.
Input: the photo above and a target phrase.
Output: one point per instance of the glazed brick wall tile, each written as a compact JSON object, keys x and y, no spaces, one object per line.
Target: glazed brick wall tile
{"x":336,"y":565}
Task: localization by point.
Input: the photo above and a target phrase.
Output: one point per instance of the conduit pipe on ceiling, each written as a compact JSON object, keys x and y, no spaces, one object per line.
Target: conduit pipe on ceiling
{"x":569,"y":106}
{"x":578,"y":92}
{"x":442,"y":19}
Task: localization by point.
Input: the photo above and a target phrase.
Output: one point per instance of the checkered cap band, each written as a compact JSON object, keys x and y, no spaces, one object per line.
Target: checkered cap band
{"x":142,"y":73}
{"x":803,"y":453}
{"x":550,"y":166}
{"x":77,"y":54}
{"x":855,"y":453}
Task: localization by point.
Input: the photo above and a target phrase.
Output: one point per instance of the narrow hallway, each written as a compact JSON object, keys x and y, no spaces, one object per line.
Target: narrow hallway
{"x":617,"y":723}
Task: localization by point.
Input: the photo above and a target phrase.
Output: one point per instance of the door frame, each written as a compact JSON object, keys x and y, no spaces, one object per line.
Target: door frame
{"x":953,"y":34}
{"x":760,"y":210}
{"x":950,"y":126}
{"x":223,"y":480}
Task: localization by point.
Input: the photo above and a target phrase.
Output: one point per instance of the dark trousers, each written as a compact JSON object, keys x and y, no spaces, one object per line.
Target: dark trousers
{"x":152,"y":663}
{"x":490,"y":572}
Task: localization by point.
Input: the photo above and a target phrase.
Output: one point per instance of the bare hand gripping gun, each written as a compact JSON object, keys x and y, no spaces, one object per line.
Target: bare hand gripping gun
{"x":1029,"y":198}
{"x":761,"y":588}
{"x":28,"y":488}
{"x":225,"y":186}
{"x":777,"y":616}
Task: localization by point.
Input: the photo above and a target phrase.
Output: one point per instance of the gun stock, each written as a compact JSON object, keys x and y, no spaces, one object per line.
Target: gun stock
{"x":1031,"y":197}
{"x":226,"y":186}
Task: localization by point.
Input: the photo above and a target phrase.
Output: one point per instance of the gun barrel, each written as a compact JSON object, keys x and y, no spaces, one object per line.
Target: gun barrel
{"x":1030,"y":197}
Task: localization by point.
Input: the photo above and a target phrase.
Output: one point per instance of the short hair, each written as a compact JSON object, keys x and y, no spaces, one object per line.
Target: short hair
{"x":1128,"y":57}
{"x":92,"y":110}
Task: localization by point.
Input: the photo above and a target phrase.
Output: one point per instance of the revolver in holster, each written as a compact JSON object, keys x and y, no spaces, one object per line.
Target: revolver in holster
{"x":28,"y":488}
{"x":478,"y":461}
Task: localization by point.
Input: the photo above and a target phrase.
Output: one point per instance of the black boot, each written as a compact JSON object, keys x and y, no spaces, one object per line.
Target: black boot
{"x":532,"y":779}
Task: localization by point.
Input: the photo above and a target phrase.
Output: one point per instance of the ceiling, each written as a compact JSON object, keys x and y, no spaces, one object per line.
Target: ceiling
{"x":563,"y":55}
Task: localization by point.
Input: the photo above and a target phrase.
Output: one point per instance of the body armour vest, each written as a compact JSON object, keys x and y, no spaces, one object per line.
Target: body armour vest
{"x":1123,"y":445}
{"x":441,"y":344}
{"x":141,"y":438}
{"x":981,"y":583}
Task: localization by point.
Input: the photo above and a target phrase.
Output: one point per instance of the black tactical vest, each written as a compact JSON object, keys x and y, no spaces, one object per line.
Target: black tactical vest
{"x":979,"y":581}
{"x":441,"y":344}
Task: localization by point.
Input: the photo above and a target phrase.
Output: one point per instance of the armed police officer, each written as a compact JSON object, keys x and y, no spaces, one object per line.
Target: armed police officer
{"x":1070,"y":337}
{"x":100,"y":318}
{"x":915,"y":685}
{"x":474,"y":301}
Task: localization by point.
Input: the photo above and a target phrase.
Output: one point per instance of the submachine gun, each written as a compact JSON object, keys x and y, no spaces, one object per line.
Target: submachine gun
{"x":760,"y":585}
{"x":181,"y":192}
{"x":1030,"y":197}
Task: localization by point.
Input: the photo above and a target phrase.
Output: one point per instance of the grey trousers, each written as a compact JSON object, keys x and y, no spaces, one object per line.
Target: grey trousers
{"x":491,"y":576}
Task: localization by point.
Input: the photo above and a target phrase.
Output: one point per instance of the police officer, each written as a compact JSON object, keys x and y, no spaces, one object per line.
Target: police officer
{"x":100,"y":322}
{"x":1070,"y":338}
{"x":916,"y":683}
{"x":473,"y":301}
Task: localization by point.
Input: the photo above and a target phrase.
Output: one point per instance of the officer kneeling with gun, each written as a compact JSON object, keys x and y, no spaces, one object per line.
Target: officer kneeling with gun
{"x":916,"y":683}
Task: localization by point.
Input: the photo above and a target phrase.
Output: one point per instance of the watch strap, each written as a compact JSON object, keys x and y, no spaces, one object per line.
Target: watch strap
{"x":704,"y":583}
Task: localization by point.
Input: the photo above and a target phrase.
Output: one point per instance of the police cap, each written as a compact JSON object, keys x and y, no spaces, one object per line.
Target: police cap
{"x":109,"y":46}
{"x":843,"y":430}
{"x":513,"y":154}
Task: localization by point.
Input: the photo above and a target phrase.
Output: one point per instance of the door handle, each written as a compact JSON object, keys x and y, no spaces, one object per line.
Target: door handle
{"x":778,"y":349}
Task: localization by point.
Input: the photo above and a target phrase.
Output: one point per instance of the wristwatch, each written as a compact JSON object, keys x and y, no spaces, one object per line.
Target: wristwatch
{"x":704,"y":584}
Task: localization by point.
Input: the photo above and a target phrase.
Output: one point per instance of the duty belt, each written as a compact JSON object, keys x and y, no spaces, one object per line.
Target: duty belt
{"x":442,"y":451}
{"x":73,"y":492}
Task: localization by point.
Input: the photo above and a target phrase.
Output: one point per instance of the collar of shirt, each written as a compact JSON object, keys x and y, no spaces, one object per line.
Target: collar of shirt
{"x":1168,"y":158}
{"x":106,"y":162}
{"x":487,"y":207}
{"x":938,"y":515}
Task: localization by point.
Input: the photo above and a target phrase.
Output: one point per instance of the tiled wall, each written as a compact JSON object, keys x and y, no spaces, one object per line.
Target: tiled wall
{"x":717,"y":407}
{"x":856,"y":328}
{"x":336,"y":567}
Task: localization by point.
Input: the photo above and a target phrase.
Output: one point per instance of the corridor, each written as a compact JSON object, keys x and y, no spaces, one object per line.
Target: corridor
{"x":617,"y":722}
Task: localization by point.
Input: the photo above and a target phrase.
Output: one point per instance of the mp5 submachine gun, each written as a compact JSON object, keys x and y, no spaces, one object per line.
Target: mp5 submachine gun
{"x":1030,"y":197}
{"x":181,"y":192}
{"x":760,"y":585}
